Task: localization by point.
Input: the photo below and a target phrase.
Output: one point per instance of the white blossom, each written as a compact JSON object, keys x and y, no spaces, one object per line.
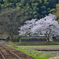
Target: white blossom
{"x":45,"y":26}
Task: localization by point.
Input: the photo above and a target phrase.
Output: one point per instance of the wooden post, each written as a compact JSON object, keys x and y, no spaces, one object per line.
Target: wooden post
{"x":19,"y":39}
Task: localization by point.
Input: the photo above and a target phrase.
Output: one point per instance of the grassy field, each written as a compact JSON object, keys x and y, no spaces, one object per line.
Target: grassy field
{"x":31,"y":50}
{"x":34,"y":53}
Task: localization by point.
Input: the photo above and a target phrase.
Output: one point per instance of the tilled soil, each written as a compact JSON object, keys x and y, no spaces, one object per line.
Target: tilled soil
{"x":1,"y":57}
{"x":6,"y":54}
{"x":21,"y":54}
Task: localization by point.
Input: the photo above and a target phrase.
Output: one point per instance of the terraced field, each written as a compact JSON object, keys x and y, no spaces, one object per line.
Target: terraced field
{"x":9,"y":53}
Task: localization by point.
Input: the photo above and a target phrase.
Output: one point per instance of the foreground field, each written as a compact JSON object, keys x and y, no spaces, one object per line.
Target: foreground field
{"x":32,"y":50}
{"x":53,"y":49}
{"x":34,"y":53}
{"x":10,"y":53}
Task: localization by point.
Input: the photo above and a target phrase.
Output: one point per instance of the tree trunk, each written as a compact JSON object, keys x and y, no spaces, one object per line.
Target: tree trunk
{"x":12,"y":37}
{"x":48,"y":38}
{"x":19,"y":39}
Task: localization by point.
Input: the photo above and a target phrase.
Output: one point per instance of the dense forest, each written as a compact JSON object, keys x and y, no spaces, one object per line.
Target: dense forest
{"x":37,"y":8}
{"x":13,"y":13}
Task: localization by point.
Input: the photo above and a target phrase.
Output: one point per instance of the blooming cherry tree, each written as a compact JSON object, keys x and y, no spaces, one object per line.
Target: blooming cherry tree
{"x":46,"y":26}
{"x":26,"y":28}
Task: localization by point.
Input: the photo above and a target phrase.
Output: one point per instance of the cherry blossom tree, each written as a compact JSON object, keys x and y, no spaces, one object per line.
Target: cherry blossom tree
{"x":46,"y":26}
{"x":26,"y":28}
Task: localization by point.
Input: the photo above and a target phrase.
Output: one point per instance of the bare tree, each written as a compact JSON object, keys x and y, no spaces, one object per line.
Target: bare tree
{"x":12,"y":19}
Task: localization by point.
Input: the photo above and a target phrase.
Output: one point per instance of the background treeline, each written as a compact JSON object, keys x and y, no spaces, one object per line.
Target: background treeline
{"x":37,"y":8}
{"x":13,"y":13}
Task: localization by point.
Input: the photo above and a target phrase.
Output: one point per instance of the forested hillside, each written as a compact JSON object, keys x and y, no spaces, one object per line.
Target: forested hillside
{"x":13,"y":13}
{"x":37,"y":8}
{"x":57,"y":12}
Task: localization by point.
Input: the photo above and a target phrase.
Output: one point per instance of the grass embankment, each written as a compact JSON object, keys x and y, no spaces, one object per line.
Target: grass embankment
{"x":38,"y":43}
{"x":33,"y":53}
